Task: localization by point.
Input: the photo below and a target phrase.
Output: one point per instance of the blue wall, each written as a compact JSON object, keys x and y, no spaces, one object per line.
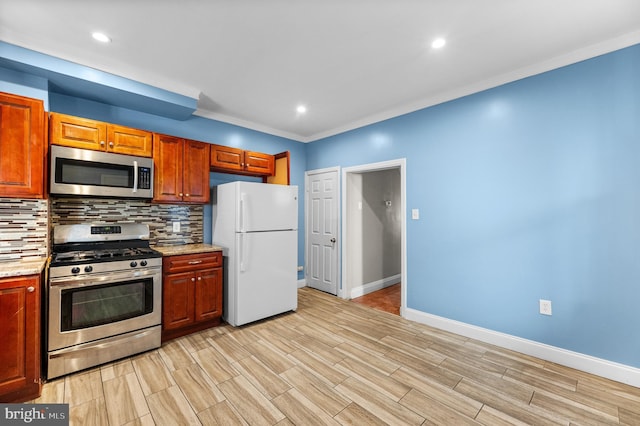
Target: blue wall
{"x":530,"y":190}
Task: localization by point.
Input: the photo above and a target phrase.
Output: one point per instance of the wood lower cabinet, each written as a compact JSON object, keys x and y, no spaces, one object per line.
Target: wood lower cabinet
{"x":20,"y":337}
{"x":235,"y":160}
{"x":181,"y":170}
{"x":84,"y":133}
{"x":23,"y":150}
{"x":191,"y":293}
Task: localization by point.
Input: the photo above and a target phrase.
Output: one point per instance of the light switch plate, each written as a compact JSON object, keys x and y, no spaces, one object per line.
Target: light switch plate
{"x":415,"y":214}
{"x":176,"y":226}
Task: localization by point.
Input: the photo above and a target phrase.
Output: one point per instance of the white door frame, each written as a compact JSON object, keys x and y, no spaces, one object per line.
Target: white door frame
{"x":401,"y":163}
{"x":306,"y":222}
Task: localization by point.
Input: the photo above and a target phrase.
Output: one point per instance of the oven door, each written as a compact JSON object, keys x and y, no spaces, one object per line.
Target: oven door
{"x":84,"y":309}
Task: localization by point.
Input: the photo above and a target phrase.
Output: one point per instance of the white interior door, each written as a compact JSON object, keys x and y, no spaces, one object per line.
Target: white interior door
{"x":322,"y":229}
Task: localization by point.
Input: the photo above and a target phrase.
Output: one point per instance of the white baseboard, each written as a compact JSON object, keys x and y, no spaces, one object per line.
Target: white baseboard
{"x":374,"y":286}
{"x":600,"y":367}
{"x":302,"y":283}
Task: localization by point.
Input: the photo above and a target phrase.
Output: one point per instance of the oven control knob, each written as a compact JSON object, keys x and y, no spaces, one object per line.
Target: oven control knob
{"x":75,"y":270}
{"x":88,"y":269}
{"x":133,"y":264}
{"x":143,"y":263}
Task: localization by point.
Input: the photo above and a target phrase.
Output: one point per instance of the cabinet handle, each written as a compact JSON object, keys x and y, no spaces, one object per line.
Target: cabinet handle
{"x":199,"y":278}
{"x":31,"y":289}
{"x":193,"y":279}
{"x":111,"y":144}
{"x":180,"y":194}
{"x":102,"y":143}
{"x":195,"y":262}
{"x":186,"y":195}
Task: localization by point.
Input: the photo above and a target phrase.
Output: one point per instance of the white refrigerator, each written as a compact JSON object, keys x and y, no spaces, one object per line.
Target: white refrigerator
{"x":257,"y":226}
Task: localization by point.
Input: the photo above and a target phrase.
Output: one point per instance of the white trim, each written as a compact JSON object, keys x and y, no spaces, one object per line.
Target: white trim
{"x":400,"y":163}
{"x":374,"y":286}
{"x":306,"y":221}
{"x":598,"y":366}
{"x":302,"y":283}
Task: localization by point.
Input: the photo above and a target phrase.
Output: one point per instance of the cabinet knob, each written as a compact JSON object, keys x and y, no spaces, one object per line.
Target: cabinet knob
{"x":199,"y":278}
{"x":193,"y":279}
{"x":102,"y":143}
{"x":180,"y":194}
{"x":31,"y":289}
{"x":186,"y":195}
{"x":111,"y":144}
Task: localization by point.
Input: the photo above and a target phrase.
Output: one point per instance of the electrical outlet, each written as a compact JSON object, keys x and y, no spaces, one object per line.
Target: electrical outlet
{"x":415,"y":214}
{"x":545,"y":307}
{"x":176,"y":226}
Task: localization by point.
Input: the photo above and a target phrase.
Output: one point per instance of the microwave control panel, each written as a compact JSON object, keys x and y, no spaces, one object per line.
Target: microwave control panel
{"x":144,"y":178}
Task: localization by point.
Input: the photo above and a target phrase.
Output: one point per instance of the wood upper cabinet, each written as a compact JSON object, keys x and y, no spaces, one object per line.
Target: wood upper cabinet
{"x":23,"y":148}
{"x":181,"y":168}
{"x":195,"y":177}
{"x":84,"y":133}
{"x":191,"y":293}
{"x":235,"y":160}
{"x":20,"y":337}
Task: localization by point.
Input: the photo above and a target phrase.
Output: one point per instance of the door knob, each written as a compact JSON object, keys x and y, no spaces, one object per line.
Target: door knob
{"x":333,"y":240}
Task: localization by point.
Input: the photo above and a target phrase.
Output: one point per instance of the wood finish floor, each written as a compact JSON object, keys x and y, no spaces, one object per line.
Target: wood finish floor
{"x":337,"y":362}
{"x":386,"y":299}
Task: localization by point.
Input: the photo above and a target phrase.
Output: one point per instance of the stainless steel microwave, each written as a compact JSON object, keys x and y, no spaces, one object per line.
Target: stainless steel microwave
{"x":76,"y":171}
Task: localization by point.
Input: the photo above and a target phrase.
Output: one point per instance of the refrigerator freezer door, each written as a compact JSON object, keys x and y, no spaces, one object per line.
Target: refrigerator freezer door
{"x":263,"y":282}
{"x":265,"y":207}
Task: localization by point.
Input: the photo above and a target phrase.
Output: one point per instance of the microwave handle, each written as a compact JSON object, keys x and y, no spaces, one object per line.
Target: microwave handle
{"x":135,"y":176}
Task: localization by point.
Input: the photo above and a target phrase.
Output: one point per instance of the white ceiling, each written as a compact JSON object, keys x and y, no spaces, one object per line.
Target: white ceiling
{"x":351,"y":62}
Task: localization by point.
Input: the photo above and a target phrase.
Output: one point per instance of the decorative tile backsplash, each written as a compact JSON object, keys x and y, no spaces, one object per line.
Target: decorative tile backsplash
{"x":159,"y":217}
{"x":23,"y":229}
{"x":25,"y":224}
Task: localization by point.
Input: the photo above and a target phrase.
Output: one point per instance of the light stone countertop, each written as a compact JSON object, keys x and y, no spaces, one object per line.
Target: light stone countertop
{"x":187,"y":249}
{"x":17,"y":268}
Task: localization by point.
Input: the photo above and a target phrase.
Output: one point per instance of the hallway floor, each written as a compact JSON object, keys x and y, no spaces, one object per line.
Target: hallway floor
{"x":387,"y":299}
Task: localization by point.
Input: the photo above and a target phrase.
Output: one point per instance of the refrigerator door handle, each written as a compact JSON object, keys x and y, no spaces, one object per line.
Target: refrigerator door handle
{"x":242,"y":212}
{"x":242,"y":253}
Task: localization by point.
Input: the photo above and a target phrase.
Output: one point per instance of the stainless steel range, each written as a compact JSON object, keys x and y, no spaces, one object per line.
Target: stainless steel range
{"x":104,"y":295}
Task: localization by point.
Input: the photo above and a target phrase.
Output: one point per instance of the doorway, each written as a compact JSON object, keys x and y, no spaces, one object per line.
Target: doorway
{"x":373,"y":229}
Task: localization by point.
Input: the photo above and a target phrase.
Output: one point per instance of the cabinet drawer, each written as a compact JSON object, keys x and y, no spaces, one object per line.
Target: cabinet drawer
{"x":191,"y":262}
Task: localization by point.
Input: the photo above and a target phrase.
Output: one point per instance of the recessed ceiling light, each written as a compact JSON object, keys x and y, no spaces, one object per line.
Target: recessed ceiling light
{"x":101,"y":37}
{"x":301,"y":109}
{"x":438,"y":43}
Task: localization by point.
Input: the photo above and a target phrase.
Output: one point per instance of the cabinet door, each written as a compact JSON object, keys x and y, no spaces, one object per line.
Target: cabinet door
{"x":208,"y":293}
{"x":177,"y":303}
{"x":227,"y":158}
{"x":259,"y":163}
{"x":167,"y":160}
{"x":22,"y":147}
{"x":77,"y":132}
{"x":125,"y":140}
{"x":196,"y":172}
{"x":20,"y":337}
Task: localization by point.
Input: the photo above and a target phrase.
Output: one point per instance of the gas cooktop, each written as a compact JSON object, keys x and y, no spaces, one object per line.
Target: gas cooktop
{"x":91,"y":256}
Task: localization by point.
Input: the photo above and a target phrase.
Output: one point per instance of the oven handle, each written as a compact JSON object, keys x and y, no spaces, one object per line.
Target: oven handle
{"x":108,"y":277}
